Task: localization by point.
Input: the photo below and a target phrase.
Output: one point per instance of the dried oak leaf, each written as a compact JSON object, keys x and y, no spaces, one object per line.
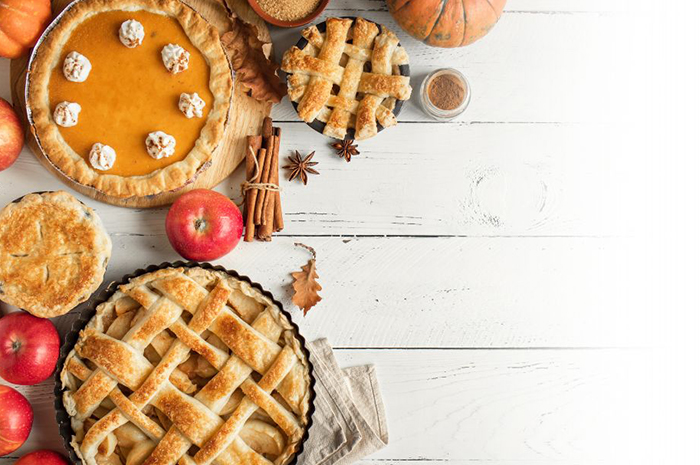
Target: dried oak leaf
{"x":250,"y":60}
{"x":305,"y":285}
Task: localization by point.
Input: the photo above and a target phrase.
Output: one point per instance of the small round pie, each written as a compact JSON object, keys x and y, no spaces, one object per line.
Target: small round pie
{"x":347,"y":78}
{"x":187,"y":365}
{"x":129,"y":92}
{"x":53,"y":253}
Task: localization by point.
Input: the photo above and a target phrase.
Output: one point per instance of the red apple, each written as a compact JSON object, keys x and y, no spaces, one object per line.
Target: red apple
{"x":16,"y":416}
{"x":203,"y":225}
{"x":28,"y":348}
{"x":11,"y":135}
{"x":42,"y":457}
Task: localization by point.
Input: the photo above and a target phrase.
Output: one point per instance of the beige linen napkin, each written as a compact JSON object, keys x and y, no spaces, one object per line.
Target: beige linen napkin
{"x":349,"y":422}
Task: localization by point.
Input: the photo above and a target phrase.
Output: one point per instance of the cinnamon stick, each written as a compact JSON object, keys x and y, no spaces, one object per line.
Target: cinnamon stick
{"x":278,"y":219}
{"x":252,"y":201}
{"x":267,"y":127}
{"x":264,"y":178}
{"x":263,"y":207}
{"x":265,"y":232}
{"x":268,"y":144}
{"x":254,"y":144}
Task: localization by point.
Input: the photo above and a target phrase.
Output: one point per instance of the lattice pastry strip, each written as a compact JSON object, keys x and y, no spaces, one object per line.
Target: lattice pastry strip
{"x":100,"y":348}
{"x":368,"y":88}
{"x":158,"y":404}
{"x":238,"y":335}
{"x":339,"y":120}
{"x":267,"y":346}
{"x":317,"y":38}
{"x":107,"y":350}
{"x":324,"y":70}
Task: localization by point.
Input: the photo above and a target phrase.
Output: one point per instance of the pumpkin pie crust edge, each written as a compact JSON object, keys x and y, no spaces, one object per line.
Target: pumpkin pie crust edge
{"x":176,"y":175}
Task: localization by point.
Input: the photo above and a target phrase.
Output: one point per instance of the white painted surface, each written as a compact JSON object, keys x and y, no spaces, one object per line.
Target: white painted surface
{"x":442,"y":292}
{"x":484,"y":406}
{"x":504,"y":271}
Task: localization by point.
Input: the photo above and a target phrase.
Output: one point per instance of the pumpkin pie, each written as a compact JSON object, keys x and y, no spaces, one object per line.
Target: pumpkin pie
{"x":130,"y":97}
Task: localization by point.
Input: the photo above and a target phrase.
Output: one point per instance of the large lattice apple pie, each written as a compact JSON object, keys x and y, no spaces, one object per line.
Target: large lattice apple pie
{"x":187,"y":365}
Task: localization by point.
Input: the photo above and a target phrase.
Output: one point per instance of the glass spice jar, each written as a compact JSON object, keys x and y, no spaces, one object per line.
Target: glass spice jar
{"x":445,"y":94}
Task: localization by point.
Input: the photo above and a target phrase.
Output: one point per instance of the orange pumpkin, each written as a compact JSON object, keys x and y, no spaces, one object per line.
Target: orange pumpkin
{"x":446,"y":23}
{"x":21,"y":24}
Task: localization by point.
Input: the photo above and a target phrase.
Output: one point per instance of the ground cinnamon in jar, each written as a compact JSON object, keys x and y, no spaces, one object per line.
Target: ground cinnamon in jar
{"x":446,"y":92}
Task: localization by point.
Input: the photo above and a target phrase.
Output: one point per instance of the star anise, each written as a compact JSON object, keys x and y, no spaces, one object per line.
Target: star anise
{"x":346,"y":149}
{"x":301,"y":167}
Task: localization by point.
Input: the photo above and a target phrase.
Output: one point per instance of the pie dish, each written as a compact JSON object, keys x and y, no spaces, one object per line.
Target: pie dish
{"x":53,"y":253}
{"x":347,"y":75}
{"x":185,"y":363}
{"x":128,"y":64}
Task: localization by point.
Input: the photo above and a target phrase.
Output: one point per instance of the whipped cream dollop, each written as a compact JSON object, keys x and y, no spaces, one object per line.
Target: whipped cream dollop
{"x":102,"y":157}
{"x":175,"y":58}
{"x":160,"y":144}
{"x":131,"y":33}
{"x":191,"y":105}
{"x":76,"y":67}
{"x":66,"y":114}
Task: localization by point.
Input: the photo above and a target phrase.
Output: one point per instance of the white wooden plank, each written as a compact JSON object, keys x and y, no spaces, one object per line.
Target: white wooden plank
{"x":486,"y":406}
{"x":467,"y":180}
{"x":509,"y":407}
{"x":512,"y":6}
{"x":530,"y":67}
{"x":569,"y":6}
{"x":518,"y":73}
{"x":446,"y":292}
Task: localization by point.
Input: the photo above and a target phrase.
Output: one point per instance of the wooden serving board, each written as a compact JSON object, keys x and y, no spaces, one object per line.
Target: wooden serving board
{"x":245,"y":117}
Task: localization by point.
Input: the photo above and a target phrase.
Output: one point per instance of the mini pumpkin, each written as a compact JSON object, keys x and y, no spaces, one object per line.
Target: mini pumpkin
{"x":21,"y":24}
{"x":446,"y":23}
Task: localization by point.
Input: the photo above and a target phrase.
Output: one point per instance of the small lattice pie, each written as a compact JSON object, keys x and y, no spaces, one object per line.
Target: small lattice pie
{"x":187,"y":366}
{"x":53,"y":253}
{"x":347,"y":77}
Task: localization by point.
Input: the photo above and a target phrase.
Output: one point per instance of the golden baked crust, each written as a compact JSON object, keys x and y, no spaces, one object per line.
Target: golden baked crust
{"x":358,"y":61}
{"x":201,"y":34}
{"x":185,"y":357}
{"x":53,"y":253}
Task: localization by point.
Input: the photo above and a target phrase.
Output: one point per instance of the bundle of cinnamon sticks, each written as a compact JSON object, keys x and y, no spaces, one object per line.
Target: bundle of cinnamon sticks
{"x":263,"y":208}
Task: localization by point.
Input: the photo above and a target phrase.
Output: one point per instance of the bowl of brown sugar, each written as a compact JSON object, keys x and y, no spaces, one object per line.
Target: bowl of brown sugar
{"x":288,"y":13}
{"x":445,"y":94}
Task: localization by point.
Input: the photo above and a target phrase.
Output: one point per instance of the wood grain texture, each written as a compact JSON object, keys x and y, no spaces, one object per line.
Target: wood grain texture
{"x":485,"y":406}
{"x":517,"y":73}
{"x":245,"y":117}
{"x":475,"y":180}
{"x":530,"y":6}
{"x":444,"y":292}
{"x":480,"y":265}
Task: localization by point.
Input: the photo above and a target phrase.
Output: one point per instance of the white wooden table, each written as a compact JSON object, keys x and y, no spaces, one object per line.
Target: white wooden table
{"x":490,"y":267}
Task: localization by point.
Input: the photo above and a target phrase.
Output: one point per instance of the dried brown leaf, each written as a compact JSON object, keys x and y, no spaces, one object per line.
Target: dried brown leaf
{"x":305,"y":284}
{"x":250,"y":59}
